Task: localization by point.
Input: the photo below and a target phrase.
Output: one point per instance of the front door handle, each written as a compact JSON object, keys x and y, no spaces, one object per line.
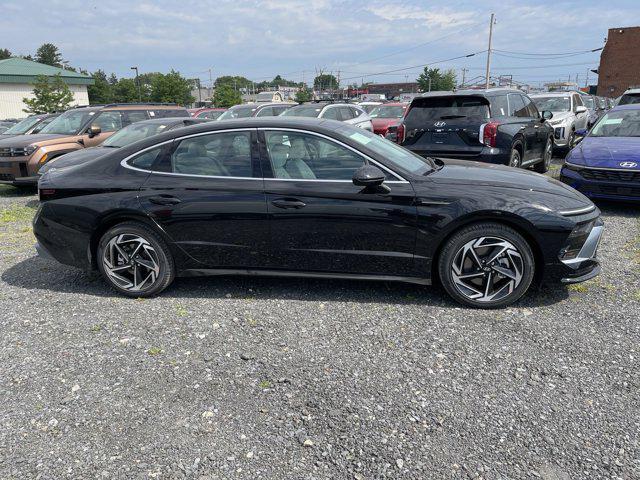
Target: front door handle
{"x":165,"y":200}
{"x":288,"y":203}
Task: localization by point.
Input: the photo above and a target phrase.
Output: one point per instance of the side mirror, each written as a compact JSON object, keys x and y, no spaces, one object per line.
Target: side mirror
{"x":547,"y":115}
{"x":581,"y":109}
{"x":368,"y":176}
{"x":94,"y":130}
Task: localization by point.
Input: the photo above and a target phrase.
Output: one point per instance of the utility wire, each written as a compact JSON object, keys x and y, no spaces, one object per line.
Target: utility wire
{"x":549,"y":54}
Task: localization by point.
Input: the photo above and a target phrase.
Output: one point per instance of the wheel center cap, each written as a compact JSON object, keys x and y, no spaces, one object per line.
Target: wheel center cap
{"x":486,"y":269}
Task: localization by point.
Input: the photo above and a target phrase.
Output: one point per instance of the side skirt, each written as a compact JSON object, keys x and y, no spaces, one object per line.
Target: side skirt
{"x":205,"y":272}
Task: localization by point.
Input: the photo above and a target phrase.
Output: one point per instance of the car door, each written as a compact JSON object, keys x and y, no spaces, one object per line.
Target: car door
{"x":582,"y":118}
{"x":207,"y":194}
{"x":320,"y":221}
{"x":541,"y":130}
{"x":526,"y":125}
{"x":109,"y":122}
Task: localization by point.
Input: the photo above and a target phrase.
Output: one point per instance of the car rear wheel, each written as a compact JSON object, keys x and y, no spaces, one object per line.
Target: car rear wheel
{"x":543,"y":166}
{"x":515,"y":158}
{"x":487,"y":265}
{"x":135,"y":260}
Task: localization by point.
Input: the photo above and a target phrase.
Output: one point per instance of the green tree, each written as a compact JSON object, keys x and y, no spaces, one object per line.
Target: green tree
{"x":101,"y":91}
{"x":236,"y":82}
{"x":303,"y":95}
{"x":172,"y":88}
{"x":4,"y":53}
{"x":226,"y":96}
{"x":49,"y":54}
{"x":50,"y":94}
{"x":325,"y":81}
{"x":437,"y":80}
{"x":125,"y":91}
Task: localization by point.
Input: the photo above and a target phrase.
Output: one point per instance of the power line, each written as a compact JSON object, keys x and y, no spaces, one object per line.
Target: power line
{"x":549,"y":54}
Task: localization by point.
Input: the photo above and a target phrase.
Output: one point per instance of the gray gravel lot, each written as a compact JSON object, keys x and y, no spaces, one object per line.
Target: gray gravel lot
{"x":249,"y":378}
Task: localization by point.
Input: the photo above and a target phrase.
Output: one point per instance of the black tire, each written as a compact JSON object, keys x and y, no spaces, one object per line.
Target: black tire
{"x":158,"y":255}
{"x":515,"y":156}
{"x":547,"y":155}
{"x":507,"y":292}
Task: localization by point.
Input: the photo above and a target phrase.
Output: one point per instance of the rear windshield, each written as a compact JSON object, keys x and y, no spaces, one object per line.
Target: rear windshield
{"x":424,"y":110}
{"x":629,"y":98}
{"x":240,"y":112}
{"x":133,"y":133}
{"x":302,"y":111}
{"x":385,"y":111}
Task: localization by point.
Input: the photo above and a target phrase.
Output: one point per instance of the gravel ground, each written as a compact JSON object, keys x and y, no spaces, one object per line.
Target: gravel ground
{"x":249,"y":378}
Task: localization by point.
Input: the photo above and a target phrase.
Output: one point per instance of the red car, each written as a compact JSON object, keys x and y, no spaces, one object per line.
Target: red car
{"x":385,"y":115}
{"x":210,"y":113}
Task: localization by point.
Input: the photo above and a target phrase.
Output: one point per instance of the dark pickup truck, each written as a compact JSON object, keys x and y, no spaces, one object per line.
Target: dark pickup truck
{"x":495,"y":126}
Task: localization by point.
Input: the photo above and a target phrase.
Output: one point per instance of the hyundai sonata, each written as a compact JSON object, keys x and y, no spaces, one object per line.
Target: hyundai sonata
{"x":313,"y":198}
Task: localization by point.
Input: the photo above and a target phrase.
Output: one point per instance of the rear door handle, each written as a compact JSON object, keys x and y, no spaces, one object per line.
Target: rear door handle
{"x":165,"y":200}
{"x":288,"y":203}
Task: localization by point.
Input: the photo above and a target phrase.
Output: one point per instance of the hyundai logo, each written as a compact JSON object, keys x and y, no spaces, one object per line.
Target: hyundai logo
{"x":439,"y":124}
{"x":628,"y":164}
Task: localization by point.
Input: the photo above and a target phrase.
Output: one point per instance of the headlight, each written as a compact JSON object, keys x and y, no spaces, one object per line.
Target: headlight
{"x":576,"y":240}
{"x":30,"y":149}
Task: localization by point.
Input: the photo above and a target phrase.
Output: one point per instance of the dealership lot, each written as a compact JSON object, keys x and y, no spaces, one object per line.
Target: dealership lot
{"x":274,"y":378}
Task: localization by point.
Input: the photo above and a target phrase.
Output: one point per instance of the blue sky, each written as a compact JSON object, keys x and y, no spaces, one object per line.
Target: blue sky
{"x":295,"y":38}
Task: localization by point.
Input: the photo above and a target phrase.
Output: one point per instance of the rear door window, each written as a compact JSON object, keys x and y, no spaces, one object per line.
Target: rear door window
{"x":167,"y":113}
{"x":431,"y":109}
{"x":331,"y":113}
{"x":346,"y":113}
{"x":499,"y":106}
{"x":108,"y":121}
{"x":133,"y":116}
{"x":516,"y":106}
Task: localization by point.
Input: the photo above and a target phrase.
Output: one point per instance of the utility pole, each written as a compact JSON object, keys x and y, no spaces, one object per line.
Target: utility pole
{"x":586,"y":82}
{"x":493,"y":16}
{"x":429,"y":83}
{"x":210,"y":79}
{"x":464,"y":75}
{"x":138,"y":84}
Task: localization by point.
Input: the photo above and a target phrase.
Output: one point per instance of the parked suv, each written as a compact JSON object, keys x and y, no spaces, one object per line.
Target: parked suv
{"x":343,"y":112}
{"x":21,"y":157}
{"x":632,"y":95}
{"x":494,"y":126}
{"x":569,"y":115}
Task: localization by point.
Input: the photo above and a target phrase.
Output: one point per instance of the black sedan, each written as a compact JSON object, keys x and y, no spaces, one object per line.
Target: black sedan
{"x":313,"y":198}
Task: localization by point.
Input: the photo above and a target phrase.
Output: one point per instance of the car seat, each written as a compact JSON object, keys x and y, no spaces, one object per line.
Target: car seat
{"x":279,"y":154}
{"x":295,"y":165}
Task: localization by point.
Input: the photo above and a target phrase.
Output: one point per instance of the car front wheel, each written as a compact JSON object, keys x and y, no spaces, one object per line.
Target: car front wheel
{"x":135,"y":260}
{"x":543,"y":166}
{"x":486,"y":265}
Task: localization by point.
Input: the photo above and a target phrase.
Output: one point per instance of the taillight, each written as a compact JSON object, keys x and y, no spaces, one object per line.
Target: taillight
{"x":489,"y":133}
{"x":400,"y":133}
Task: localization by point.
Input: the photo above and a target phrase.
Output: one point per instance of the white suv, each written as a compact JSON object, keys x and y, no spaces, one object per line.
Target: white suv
{"x":569,"y":114}
{"x":343,"y":112}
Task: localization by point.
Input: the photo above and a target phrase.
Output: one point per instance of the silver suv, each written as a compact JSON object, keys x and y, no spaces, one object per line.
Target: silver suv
{"x":569,"y":114}
{"x":343,"y":112}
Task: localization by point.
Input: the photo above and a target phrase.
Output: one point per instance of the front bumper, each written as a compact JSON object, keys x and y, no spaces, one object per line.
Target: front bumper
{"x":16,"y":172}
{"x":585,"y":266}
{"x":561,"y":135}
{"x":602,"y":183}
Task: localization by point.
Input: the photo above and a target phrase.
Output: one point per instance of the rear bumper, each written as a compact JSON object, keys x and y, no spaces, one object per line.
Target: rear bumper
{"x":486,"y":155}
{"x":609,"y":190}
{"x":59,"y":242}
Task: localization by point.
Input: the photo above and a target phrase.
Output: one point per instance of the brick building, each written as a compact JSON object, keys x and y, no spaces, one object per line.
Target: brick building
{"x":619,"y":62}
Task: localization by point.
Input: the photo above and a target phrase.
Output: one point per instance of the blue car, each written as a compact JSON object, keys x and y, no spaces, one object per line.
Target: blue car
{"x":606,"y":162}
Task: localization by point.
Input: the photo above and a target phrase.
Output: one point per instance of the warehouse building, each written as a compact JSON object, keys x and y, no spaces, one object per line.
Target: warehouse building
{"x":17,"y":77}
{"x":619,"y":62}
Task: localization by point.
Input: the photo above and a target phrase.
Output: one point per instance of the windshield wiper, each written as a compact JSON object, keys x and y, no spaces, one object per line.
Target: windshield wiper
{"x":445,"y":117}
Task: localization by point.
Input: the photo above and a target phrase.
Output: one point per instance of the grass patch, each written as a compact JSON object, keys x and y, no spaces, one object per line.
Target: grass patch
{"x":154,"y":351}
{"x":181,"y":311}
{"x":15,"y":214}
{"x":578,"y":288}
{"x":264,"y":384}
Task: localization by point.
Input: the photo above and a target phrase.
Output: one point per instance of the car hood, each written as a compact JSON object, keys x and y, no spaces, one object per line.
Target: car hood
{"x":561,"y":116}
{"x":7,"y":135}
{"x":76,"y":158}
{"x":25,"y":140}
{"x":463,"y":172}
{"x":607,"y":152}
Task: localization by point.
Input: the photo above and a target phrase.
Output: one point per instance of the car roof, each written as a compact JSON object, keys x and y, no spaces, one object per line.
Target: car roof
{"x":631,"y":106}
{"x":632,"y":90}
{"x":553,"y":94}
{"x":261,"y":104}
{"x":167,"y":120}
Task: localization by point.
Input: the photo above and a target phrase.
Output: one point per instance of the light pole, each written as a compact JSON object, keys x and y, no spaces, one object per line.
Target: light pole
{"x":138,"y":84}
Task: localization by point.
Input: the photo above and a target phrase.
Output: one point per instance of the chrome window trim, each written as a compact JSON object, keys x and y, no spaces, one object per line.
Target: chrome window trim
{"x":400,"y":178}
{"x":124,"y":162}
{"x":584,"y":167}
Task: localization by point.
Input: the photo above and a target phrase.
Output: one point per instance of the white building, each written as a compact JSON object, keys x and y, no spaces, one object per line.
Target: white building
{"x":17,"y":77}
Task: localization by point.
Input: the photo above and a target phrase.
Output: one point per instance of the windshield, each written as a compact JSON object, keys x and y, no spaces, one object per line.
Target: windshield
{"x":589,"y":103}
{"x":623,"y":123}
{"x":387,"y":112}
{"x":133,"y":133}
{"x":552,"y":104}
{"x":394,"y":153}
{"x":23,"y":126}
{"x":69,"y":123}
{"x":302,"y":111}
{"x":241,"y":112}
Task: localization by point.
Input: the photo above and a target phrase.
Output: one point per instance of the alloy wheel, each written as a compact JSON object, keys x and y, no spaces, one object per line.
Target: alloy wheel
{"x":515,"y":158}
{"x":487,"y":269}
{"x":548,"y":153}
{"x":131,"y":262}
